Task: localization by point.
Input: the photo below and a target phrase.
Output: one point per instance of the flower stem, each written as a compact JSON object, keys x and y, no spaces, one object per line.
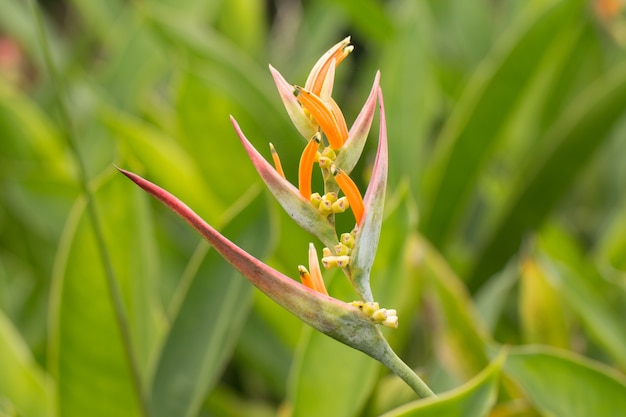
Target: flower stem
{"x":401,"y":369}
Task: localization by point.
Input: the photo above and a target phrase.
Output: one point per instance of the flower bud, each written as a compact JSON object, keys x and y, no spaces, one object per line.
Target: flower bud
{"x":370,"y":308}
{"x":316,"y":199}
{"x":341,"y":249}
{"x":325,"y":207}
{"x":340,"y":205}
{"x":347,"y":239}
{"x":328,"y":152}
{"x":391,"y":322}
{"x":325,"y":162}
{"x":331,"y":196}
{"x":329,"y":261}
{"x":343,"y":261}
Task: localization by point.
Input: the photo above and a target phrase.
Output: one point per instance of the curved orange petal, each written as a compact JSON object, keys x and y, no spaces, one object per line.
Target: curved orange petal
{"x":305,"y":170}
{"x":323,"y":115}
{"x":351,"y":191}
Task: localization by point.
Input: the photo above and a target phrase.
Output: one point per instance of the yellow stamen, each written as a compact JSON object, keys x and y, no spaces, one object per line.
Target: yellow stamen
{"x":316,"y":272}
{"x":277,"y":164}
{"x":305,"y":170}
{"x":351,"y":191}
{"x":323,"y":115}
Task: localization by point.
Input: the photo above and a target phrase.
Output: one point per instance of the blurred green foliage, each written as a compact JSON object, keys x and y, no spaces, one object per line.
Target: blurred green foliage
{"x":503,"y":248}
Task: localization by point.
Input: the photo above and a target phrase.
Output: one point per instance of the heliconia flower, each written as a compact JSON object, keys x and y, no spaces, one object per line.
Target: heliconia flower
{"x":369,"y":211}
{"x":341,"y":321}
{"x":351,"y":323}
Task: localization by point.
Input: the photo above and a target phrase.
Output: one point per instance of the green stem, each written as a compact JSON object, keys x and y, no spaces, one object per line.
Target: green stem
{"x":401,"y":369}
{"x":70,"y":136}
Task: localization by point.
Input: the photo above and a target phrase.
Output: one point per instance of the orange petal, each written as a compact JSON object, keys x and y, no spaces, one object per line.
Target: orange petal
{"x":305,"y":277}
{"x":341,"y":121}
{"x":316,"y":273}
{"x":305,"y":170}
{"x":351,"y":191}
{"x":323,"y":115}
{"x":318,"y":74}
{"x":277,"y":164}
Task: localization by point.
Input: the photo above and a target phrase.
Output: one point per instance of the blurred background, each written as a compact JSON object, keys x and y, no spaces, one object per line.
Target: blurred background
{"x":506,"y":211}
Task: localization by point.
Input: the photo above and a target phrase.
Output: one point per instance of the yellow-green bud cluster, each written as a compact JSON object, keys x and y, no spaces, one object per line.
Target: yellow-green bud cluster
{"x":386,"y":317}
{"x":329,"y":203}
{"x":339,"y":257}
{"x":326,"y":158}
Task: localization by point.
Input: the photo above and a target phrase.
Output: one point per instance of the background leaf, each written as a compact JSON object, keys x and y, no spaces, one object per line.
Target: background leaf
{"x":592,"y":388}
{"x":87,"y":356}
{"x":475,"y":398}
{"x":23,"y":383}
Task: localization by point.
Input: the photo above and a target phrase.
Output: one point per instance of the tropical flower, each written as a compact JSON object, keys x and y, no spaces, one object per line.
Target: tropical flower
{"x":335,"y":149}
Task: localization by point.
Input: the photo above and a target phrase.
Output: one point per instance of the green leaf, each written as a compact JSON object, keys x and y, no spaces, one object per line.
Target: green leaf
{"x":22,"y":382}
{"x":541,"y":308}
{"x":473,"y":130}
{"x":224,"y":66}
{"x":589,"y":296}
{"x":572,"y":141}
{"x":459,"y":334}
{"x":215,"y":301}
{"x":87,"y":357}
{"x":473,"y":399}
{"x":368,"y":16}
{"x":562,"y":384}
{"x":209,"y":139}
{"x":165,"y":161}
{"x":406,"y":65}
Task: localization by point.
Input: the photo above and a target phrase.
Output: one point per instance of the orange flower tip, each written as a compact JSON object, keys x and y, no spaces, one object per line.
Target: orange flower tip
{"x":305,"y":277}
{"x":276,"y":159}
{"x":297,"y":90}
